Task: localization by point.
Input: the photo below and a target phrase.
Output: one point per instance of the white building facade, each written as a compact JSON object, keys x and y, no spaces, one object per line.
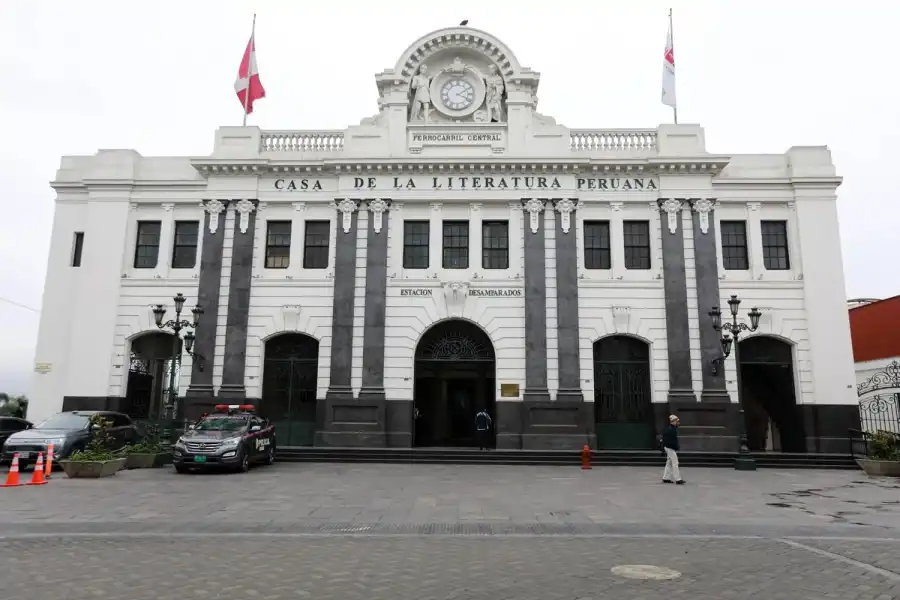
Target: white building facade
{"x":376,"y":286}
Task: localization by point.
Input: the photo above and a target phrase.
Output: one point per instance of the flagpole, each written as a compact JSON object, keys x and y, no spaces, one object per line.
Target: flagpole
{"x":672,"y":32}
{"x":249,"y":62}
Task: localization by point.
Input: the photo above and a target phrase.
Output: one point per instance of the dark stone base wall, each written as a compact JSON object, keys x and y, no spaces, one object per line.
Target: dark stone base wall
{"x":347,"y":422}
{"x":534,"y":425}
{"x":826,"y":426}
{"x":705,"y":426}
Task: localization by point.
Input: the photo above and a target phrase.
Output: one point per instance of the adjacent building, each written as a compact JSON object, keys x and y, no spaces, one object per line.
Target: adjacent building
{"x":377,"y":285}
{"x":874,"y":325}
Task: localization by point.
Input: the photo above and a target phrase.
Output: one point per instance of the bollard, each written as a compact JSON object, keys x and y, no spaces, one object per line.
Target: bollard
{"x":48,"y":469}
{"x":585,"y":458}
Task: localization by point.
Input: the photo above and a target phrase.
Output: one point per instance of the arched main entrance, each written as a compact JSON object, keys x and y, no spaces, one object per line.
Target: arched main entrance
{"x":623,"y":411}
{"x":454,"y":379}
{"x":773,"y":419}
{"x":150,"y":362}
{"x":290,"y":375}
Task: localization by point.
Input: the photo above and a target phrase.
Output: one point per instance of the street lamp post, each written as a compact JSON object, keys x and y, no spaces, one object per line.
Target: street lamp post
{"x":176,"y":325}
{"x":744,"y":461}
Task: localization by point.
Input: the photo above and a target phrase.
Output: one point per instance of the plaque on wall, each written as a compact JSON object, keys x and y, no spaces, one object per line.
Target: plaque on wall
{"x":509,"y":390}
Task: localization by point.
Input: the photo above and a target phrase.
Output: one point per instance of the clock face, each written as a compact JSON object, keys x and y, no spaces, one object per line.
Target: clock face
{"x":457,"y":94}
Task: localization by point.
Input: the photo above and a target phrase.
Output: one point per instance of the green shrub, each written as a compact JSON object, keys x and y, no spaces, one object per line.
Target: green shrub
{"x":98,"y":449}
{"x":885,"y":446}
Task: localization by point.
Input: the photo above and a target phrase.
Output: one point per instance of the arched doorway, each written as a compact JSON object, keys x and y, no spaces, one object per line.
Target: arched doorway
{"x":454,"y":379}
{"x":290,"y":376}
{"x":773,"y":419}
{"x":623,"y":411}
{"x":151,"y":360}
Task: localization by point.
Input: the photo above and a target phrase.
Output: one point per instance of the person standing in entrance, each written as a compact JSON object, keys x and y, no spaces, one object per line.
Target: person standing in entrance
{"x":670,"y":444}
{"x":483,"y":428}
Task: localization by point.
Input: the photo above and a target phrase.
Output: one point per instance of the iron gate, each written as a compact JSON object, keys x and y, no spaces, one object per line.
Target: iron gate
{"x":879,"y":400}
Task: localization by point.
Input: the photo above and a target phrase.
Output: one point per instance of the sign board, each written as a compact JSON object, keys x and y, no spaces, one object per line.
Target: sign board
{"x":43,"y":367}
{"x":509,"y":390}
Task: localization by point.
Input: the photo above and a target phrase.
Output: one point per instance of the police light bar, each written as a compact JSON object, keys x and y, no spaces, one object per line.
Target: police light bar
{"x":229,"y":407}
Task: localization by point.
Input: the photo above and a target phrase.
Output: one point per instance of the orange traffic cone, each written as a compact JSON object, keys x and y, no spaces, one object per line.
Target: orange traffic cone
{"x":37,"y":477}
{"x":12,"y":478}
{"x":49,"y":469}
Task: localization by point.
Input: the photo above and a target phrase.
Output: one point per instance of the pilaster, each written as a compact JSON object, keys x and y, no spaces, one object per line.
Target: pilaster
{"x":235,"y":359}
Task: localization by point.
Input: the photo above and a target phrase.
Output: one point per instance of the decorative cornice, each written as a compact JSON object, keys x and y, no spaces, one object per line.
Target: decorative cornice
{"x":637,"y":167}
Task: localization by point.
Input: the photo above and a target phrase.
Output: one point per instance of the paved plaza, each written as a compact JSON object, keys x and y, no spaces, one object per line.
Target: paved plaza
{"x":453,"y":532}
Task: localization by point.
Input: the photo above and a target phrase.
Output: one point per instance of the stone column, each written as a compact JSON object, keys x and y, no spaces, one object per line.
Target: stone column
{"x":376,"y":297}
{"x":579,"y":429}
{"x":711,"y":423}
{"x":344,"y":296}
{"x":435,"y":238}
{"x":235,"y":359}
{"x":342,"y":419}
{"x":681,"y":387}
{"x":200,"y":392}
{"x":535,"y":303}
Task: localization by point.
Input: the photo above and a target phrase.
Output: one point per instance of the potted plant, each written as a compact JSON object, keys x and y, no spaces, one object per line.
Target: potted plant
{"x":96,"y":460}
{"x":883,"y":459}
{"x":149,"y":453}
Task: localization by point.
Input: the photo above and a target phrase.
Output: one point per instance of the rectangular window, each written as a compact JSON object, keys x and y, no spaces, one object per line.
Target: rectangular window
{"x":597,"y":254}
{"x":456,"y":245}
{"x":184,"y":248}
{"x":775,"y":245}
{"x":278,"y":244}
{"x":637,"y":244}
{"x":415,"y":244}
{"x":734,"y":245}
{"x":495,"y":244}
{"x":146,"y":251}
{"x":77,"y":248}
{"x":315,"y":244}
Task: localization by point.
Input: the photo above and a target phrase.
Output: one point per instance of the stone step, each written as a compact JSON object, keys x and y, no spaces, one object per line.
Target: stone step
{"x":556,"y":457}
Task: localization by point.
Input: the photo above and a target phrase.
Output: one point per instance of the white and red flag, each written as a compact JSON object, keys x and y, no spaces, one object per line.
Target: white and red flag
{"x":248,"y":86}
{"x":668,"y":79}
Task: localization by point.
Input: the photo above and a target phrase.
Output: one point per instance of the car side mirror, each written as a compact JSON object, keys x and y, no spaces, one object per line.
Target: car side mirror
{"x":255,"y":428}
{"x":192,"y":427}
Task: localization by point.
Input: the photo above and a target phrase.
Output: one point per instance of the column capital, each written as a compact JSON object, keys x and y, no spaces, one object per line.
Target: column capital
{"x":672,"y":207}
{"x":347,"y":206}
{"x":378,"y":206}
{"x":534,"y":207}
{"x":243,"y":208}
{"x":565,"y":207}
{"x":703,"y":207}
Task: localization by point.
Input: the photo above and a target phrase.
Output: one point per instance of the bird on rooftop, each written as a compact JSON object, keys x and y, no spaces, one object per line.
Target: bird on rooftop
{"x":464,"y":23}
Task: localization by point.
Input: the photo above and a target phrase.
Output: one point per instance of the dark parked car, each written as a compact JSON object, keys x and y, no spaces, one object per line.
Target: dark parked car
{"x":68,"y":432}
{"x":11,"y":425}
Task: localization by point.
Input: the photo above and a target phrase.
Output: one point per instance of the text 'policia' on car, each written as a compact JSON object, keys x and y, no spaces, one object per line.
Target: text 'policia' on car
{"x":231,"y":438}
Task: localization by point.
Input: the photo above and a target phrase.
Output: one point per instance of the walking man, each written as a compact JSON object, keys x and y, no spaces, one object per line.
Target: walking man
{"x":670,"y":444}
{"x":483,"y":428}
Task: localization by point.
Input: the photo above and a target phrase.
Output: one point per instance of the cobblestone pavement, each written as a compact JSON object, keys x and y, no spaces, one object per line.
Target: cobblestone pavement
{"x":452,"y":532}
{"x":423,"y":568}
{"x":392,"y":498}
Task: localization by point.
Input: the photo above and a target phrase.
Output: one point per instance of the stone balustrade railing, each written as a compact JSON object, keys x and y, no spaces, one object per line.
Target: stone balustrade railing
{"x":632,"y":141}
{"x":301,"y":141}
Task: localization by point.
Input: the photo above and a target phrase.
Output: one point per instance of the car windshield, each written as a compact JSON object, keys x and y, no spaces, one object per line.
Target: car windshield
{"x":65,"y":421}
{"x":222,"y":423}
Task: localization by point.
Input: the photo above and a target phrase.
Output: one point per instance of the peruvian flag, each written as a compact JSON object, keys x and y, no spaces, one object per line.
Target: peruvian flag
{"x":668,"y":79}
{"x":248,"y":86}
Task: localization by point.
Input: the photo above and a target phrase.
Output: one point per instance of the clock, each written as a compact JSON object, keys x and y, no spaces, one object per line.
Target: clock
{"x":457,"y":94}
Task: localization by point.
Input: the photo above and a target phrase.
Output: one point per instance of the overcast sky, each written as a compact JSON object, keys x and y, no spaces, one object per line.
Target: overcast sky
{"x":158,"y":77}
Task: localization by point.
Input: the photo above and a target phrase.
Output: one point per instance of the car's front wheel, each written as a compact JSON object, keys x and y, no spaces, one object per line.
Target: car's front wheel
{"x":244,"y":464}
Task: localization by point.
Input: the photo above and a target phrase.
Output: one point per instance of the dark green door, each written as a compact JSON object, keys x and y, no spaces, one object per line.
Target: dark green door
{"x":290,"y":375}
{"x":622,"y":406}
